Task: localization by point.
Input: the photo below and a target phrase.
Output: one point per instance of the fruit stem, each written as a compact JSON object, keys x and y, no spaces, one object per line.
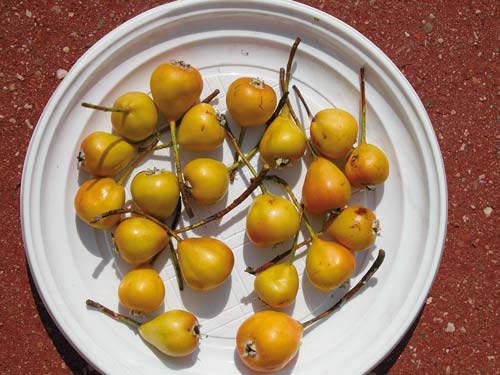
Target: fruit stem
{"x":310,"y":146}
{"x":292,"y":196}
{"x":173,"y":251}
{"x":136,"y":162}
{"x":293,"y":249}
{"x":236,"y":156}
{"x":105,"y":109}
{"x":178,"y":170}
{"x":276,"y":259}
{"x":363,"y":104}
{"x":119,"y":211}
{"x":112,"y":314}
{"x":234,"y":142}
{"x":289,"y":63}
{"x":156,"y":148}
{"x":211,"y":97}
{"x":249,"y":156}
{"x":375,"y":266}
{"x":218,"y":215}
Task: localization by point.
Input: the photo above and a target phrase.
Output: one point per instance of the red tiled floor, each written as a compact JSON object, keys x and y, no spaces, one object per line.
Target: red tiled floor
{"x":448,"y":50}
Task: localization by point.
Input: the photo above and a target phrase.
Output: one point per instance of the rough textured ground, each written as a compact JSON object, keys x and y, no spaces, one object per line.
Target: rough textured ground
{"x":448,"y":50}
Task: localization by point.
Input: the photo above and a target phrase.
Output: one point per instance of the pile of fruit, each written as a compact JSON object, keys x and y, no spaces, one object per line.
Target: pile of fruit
{"x":269,"y":339}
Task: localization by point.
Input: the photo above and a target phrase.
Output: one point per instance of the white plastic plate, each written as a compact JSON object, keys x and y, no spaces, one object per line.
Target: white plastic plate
{"x":224,"y":39}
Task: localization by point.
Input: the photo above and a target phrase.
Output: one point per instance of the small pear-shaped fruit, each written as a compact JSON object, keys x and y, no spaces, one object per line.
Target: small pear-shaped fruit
{"x":366,"y":166}
{"x":356,"y":228}
{"x":201,"y":129}
{"x":278,"y":285}
{"x":97,"y":196}
{"x":175,"y":87}
{"x":283,"y":142}
{"x":139,"y":239}
{"x":333,"y":132}
{"x":141,"y":118}
{"x":207,"y":180}
{"x":205,"y":262}
{"x":328,"y":264}
{"x":175,"y":333}
{"x":268,"y":340}
{"x":105,"y":154}
{"x":250,"y":102}
{"x":270,"y":220}
{"x":156,"y":192}
{"x":325,"y":187}
{"x":141,"y":290}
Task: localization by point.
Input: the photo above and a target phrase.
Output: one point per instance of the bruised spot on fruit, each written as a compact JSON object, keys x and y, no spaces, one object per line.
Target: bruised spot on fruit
{"x":361,"y":211}
{"x":203,"y":128}
{"x":324,"y":135}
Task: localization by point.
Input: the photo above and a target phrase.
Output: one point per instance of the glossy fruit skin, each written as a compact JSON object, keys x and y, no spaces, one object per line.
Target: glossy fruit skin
{"x":156,"y":192}
{"x":283,"y":142}
{"x":175,"y":87}
{"x":270,"y":220}
{"x":367,"y":165}
{"x":200,"y":129}
{"x":139,"y":239}
{"x":325,"y":187}
{"x":141,"y":290}
{"x":356,"y":228}
{"x":333,"y":132}
{"x":250,"y":102}
{"x":105,"y":154}
{"x":328,"y":264}
{"x":274,"y":336}
{"x":205,"y":262}
{"x":141,"y":119}
{"x":208,"y":180}
{"x":96,"y":196}
{"x":278,"y":285}
{"x":174,"y":333}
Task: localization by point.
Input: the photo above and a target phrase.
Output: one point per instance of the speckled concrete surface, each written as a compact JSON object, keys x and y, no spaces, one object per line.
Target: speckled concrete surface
{"x":448,"y":50}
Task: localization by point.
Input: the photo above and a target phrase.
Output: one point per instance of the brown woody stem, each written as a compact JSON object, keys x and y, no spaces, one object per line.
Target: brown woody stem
{"x":375,"y":266}
{"x":173,"y":250}
{"x":211,"y":97}
{"x":112,"y":314}
{"x":276,"y":259}
{"x":218,"y":215}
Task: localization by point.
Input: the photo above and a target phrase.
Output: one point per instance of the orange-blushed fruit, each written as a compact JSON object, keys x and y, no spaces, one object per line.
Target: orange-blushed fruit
{"x":325,"y":187}
{"x":268,"y":340}
{"x":250,"y":101}
{"x":97,"y":196}
{"x":356,"y":227}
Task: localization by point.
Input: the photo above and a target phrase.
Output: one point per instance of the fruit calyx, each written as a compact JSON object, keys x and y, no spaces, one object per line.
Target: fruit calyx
{"x":281,"y":162}
{"x":154,"y":171}
{"x":376,"y":227}
{"x":181,"y":64}
{"x":250,"y":349}
{"x":258,"y":83}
